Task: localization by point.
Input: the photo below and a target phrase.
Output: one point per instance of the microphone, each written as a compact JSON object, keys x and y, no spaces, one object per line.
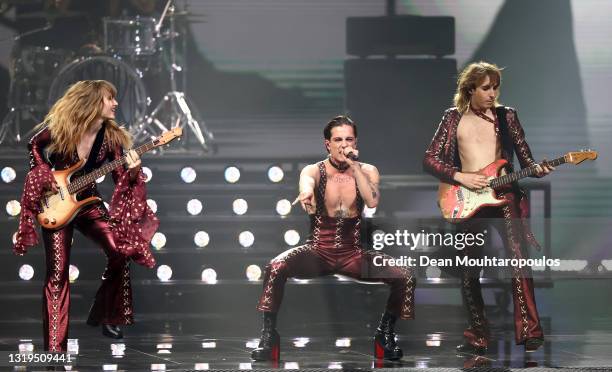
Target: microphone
{"x":352,"y":156}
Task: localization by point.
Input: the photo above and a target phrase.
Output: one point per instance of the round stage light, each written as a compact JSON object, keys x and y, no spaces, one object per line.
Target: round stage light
{"x":253,"y":273}
{"x":164,"y":273}
{"x":13,"y":208}
{"x":148,"y":172}
{"x":209,"y":276}
{"x":26,"y":272}
{"x":73,"y":273}
{"x":100,"y":180}
{"x":275,"y":173}
{"x":283,"y":207}
{"x":201,"y":239}
{"x":246,"y":239}
{"x":152,"y":204}
{"x":433,"y":272}
{"x":240,"y":206}
{"x":292,"y":237}
{"x":158,"y":241}
{"x":194,"y":207}
{"x":188,"y":174}
{"x":232,"y":174}
{"x":8,"y":174}
{"x":369,"y":212}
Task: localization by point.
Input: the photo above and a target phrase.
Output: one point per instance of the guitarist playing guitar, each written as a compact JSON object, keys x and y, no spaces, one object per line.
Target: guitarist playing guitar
{"x":80,"y":131}
{"x":475,"y":133}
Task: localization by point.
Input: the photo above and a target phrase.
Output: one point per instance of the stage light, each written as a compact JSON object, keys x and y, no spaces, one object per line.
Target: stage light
{"x":335,"y":365}
{"x":245,"y":366}
{"x":100,"y":180}
{"x":433,"y":272}
{"x":246,"y":239}
{"x":152,"y":204}
{"x":369,"y":212}
{"x":188,"y":174}
{"x":158,"y":367}
{"x":147,"y":171}
{"x":292,"y":365}
{"x":164,"y":346}
{"x":26,"y":272}
{"x":253,"y":273}
{"x":275,"y":174}
{"x":201,"y":367}
{"x":13,"y":208}
{"x":209,"y":276}
{"x":343,"y":342}
{"x":301,"y":341}
{"x":118,"y":350}
{"x":433,"y":340}
{"x":194,"y":207}
{"x":209,"y":345}
{"x":109,"y":367}
{"x":158,"y":241}
{"x":164,"y":273}
{"x":292,"y":237}
{"x":201,"y":239}
{"x":73,"y":273}
{"x":252,"y":343}
{"x":422,"y":363}
{"x":570,"y":265}
{"x":240,"y":206}
{"x":73,"y":346}
{"x":8,"y":174}
{"x":283,"y":207}
{"x":26,"y":347}
{"x":232,"y":174}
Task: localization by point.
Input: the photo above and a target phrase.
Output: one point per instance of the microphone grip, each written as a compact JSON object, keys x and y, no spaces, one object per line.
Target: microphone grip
{"x":352,"y":156}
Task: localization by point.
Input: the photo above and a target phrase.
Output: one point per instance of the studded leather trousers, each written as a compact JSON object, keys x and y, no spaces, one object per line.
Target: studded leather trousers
{"x":334,"y":248}
{"x":113,"y":301}
{"x":526,"y":318}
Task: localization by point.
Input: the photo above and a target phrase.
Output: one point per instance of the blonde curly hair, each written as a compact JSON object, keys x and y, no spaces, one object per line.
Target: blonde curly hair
{"x":76,"y":111}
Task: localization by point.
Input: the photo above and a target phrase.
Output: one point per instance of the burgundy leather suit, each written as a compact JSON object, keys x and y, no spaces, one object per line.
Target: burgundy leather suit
{"x":113,"y":301}
{"x":334,"y":247}
{"x":442,"y":160}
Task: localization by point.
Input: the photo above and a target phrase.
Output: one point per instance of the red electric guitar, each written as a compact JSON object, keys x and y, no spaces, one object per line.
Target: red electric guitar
{"x":457,"y":202}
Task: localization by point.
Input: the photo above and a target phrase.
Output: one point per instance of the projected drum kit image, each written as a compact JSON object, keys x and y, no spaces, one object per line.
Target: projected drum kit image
{"x":132,"y":48}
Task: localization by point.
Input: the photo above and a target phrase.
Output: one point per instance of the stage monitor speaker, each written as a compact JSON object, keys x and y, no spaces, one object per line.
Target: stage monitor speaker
{"x":397,"y":104}
{"x":400,"y":35}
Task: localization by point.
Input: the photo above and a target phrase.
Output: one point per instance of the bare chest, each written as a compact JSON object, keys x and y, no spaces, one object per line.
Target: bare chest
{"x":341,"y":195}
{"x":85,"y":145}
{"x":476,"y":131}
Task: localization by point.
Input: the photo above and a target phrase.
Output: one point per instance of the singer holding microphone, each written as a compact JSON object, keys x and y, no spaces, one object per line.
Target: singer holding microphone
{"x":333,"y":192}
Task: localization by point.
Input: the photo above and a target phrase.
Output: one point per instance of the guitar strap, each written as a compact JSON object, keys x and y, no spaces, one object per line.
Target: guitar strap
{"x":95,"y":150}
{"x":507,"y":145}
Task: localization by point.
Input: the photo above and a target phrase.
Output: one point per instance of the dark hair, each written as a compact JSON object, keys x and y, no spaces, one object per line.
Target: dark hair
{"x":337,"y":122}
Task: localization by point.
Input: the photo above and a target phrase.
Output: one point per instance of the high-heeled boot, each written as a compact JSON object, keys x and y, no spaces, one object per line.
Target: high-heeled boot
{"x":384,"y":339}
{"x":269,"y":343}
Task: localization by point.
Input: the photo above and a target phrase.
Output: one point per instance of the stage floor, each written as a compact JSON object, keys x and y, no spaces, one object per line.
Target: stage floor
{"x":145,"y":348}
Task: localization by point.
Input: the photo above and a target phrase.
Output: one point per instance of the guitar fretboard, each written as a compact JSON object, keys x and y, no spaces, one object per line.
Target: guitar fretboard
{"x":525,"y":172}
{"x":84,"y":181}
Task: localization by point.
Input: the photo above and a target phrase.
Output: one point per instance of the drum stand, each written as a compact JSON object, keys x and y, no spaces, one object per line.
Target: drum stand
{"x":10,"y":129}
{"x":174,"y":107}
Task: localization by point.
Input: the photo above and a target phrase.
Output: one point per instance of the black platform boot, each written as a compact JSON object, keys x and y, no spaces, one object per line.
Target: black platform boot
{"x":384,"y":339}
{"x":269,"y":344}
